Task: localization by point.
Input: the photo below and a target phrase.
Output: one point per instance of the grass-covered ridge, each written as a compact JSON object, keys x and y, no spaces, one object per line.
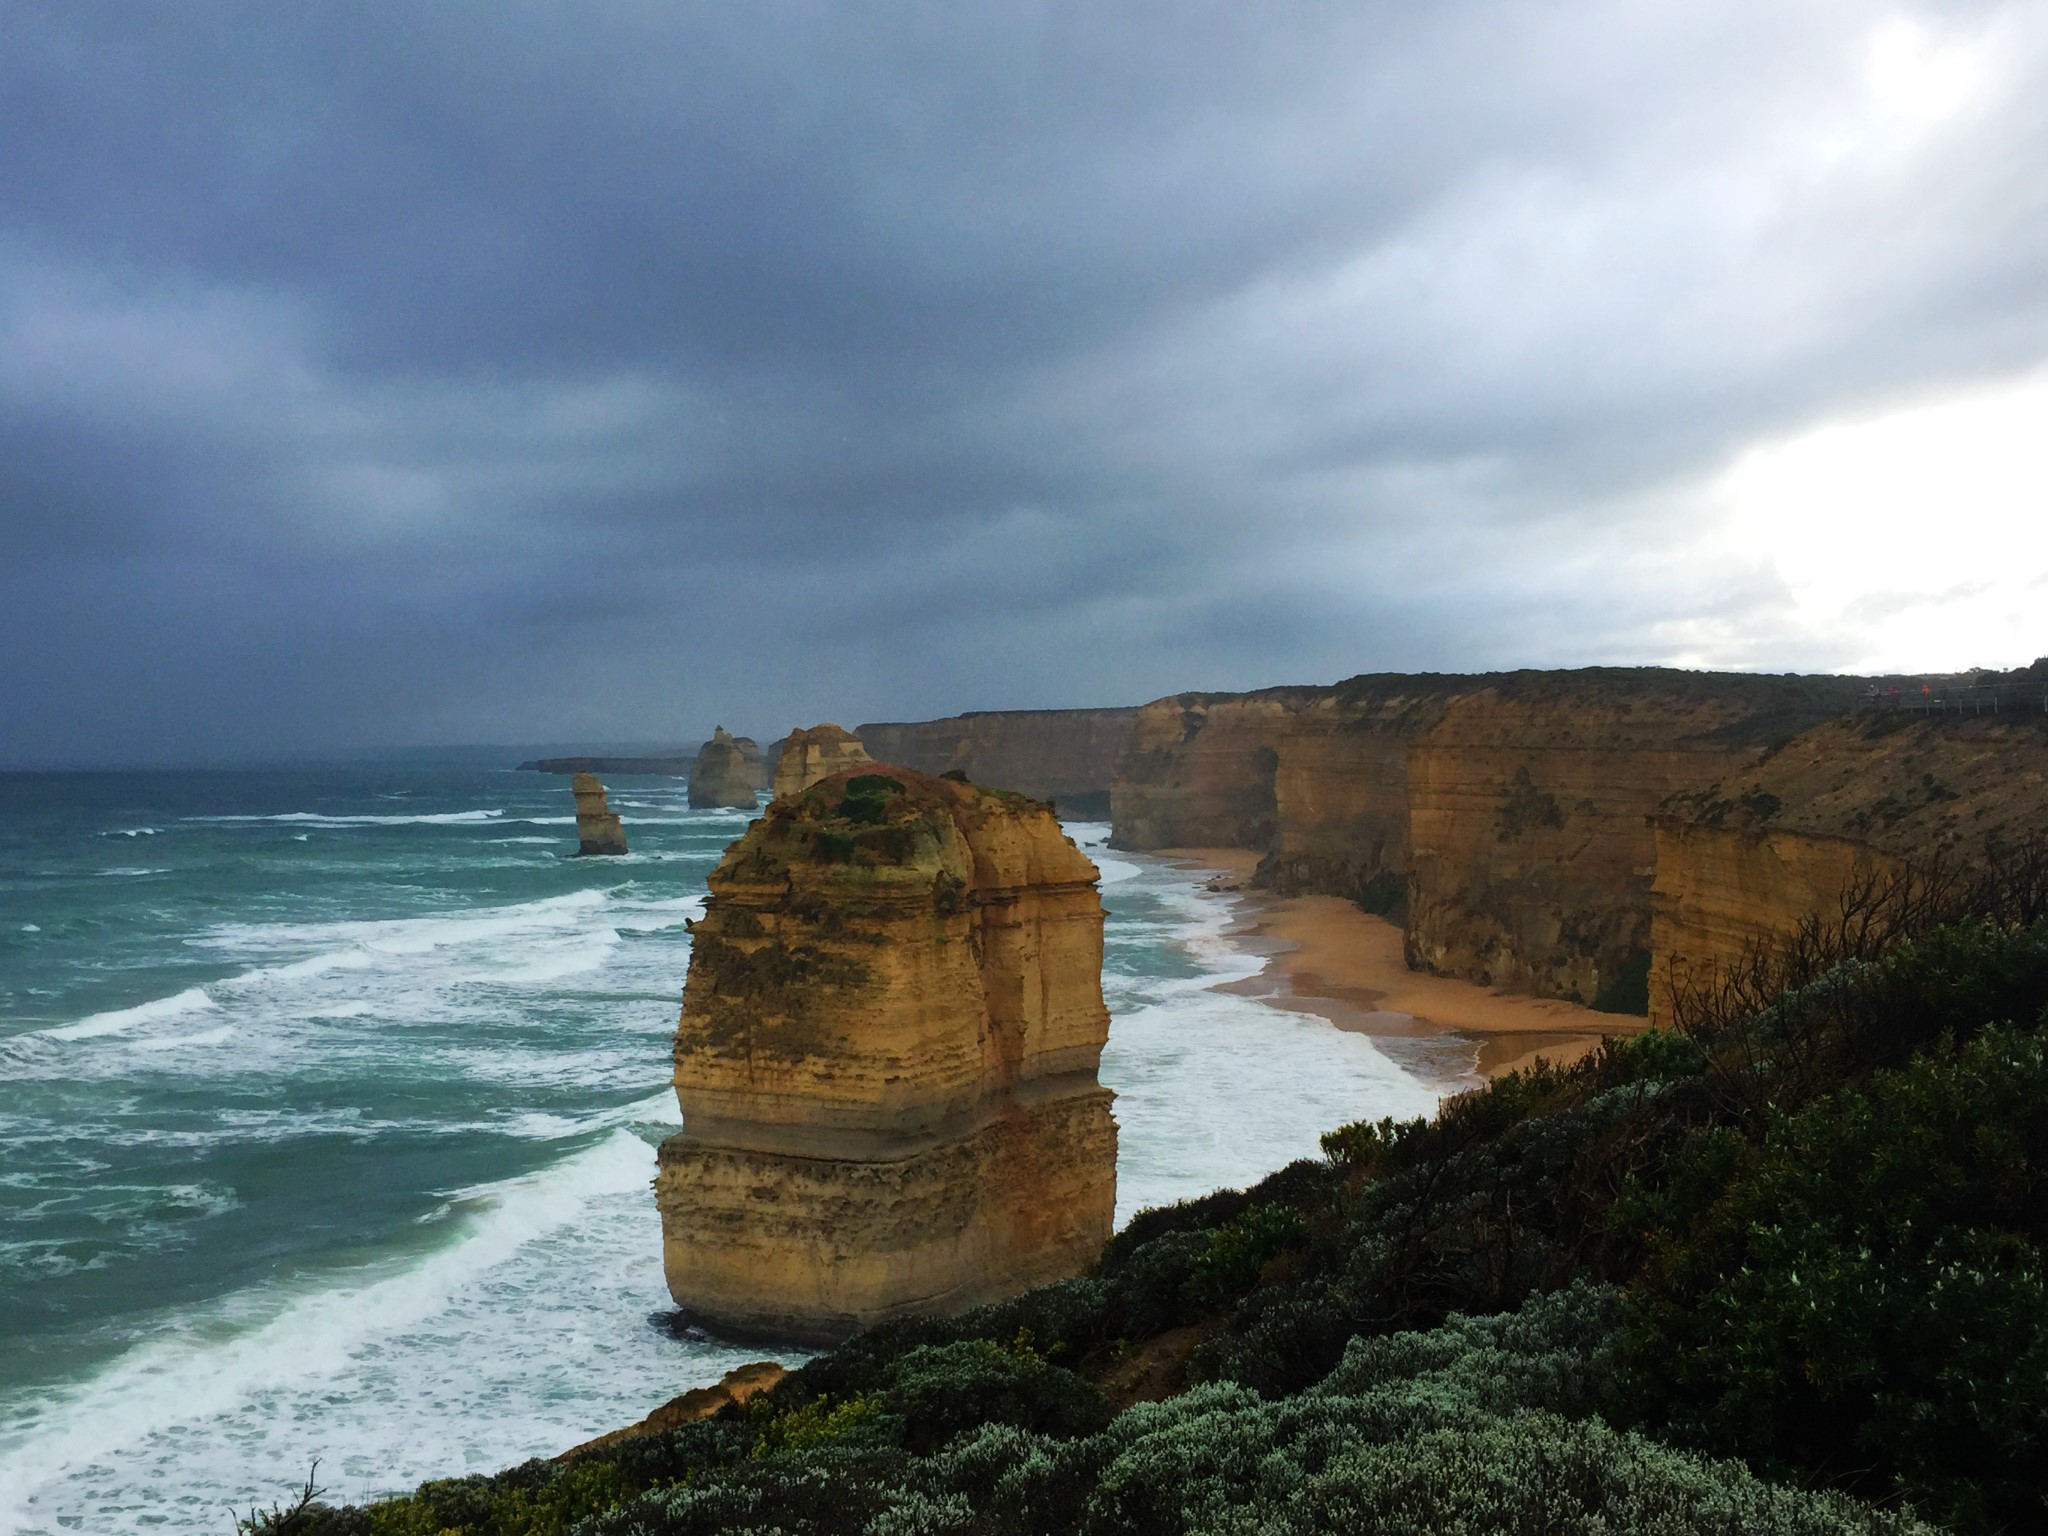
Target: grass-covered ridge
{"x":1779,"y":1272}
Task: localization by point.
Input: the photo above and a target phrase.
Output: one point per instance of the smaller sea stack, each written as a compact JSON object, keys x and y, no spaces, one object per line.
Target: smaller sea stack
{"x":818,"y":753}
{"x":727,"y":770}
{"x":597,"y":825}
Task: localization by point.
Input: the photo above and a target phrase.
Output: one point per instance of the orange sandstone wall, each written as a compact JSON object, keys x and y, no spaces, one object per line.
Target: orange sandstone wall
{"x":1530,"y":850}
{"x":1503,"y":817}
{"x":1719,"y":890}
{"x":1749,"y":855}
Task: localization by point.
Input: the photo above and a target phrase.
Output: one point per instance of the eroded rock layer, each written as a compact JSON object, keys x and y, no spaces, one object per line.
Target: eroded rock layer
{"x":597,"y":825}
{"x":727,"y":772}
{"x":1835,"y":814}
{"x":804,"y":757}
{"x":1503,"y":818}
{"x":887,"y":1062}
{"x":1068,"y":756}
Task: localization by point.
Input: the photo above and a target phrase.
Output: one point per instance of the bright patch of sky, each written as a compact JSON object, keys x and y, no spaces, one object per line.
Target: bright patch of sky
{"x":1916,"y":536}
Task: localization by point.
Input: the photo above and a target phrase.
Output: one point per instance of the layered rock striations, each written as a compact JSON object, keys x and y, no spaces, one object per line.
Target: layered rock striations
{"x":597,"y":825}
{"x":804,"y":757}
{"x":1837,"y":813}
{"x":1067,"y":756}
{"x":1503,"y":818}
{"x":727,"y":773}
{"x":887,"y":1062}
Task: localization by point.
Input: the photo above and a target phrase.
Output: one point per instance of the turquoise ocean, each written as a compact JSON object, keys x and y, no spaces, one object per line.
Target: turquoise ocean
{"x":328,"y":1106}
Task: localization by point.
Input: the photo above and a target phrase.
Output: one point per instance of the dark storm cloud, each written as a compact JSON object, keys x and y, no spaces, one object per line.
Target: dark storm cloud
{"x":425,"y":373}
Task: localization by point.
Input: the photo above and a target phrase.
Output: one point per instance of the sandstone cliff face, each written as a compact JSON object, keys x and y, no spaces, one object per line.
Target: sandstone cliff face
{"x":804,"y":757}
{"x":886,"y":1062}
{"x":1068,"y":756}
{"x":1530,"y":848}
{"x":1502,"y":817}
{"x":726,"y":773}
{"x":597,"y":826}
{"x":1744,"y":858}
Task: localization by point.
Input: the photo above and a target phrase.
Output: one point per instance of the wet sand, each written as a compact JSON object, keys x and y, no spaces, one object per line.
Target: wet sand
{"x":1326,"y":957}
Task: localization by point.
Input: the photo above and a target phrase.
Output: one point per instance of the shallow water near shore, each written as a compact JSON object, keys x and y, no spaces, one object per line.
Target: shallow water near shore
{"x":328,"y":1103}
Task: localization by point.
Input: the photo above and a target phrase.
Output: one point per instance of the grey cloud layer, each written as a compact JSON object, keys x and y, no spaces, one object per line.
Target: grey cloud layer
{"x":519,"y":371}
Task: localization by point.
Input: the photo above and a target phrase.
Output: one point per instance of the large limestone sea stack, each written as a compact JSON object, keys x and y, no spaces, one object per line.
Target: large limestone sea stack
{"x":597,"y":825}
{"x":887,"y":1062}
{"x":726,"y":773}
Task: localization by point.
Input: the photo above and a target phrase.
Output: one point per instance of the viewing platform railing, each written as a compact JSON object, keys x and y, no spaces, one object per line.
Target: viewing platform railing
{"x":1962,"y":699}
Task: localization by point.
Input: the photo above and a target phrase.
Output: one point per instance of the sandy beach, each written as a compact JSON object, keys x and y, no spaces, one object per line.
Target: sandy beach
{"x":1325,"y":956}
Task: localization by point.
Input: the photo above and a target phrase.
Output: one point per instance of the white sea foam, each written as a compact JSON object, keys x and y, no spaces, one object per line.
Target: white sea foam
{"x":1115,"y":871}
{"x":540,"y":1300}
{"x":131,"y":832}
{"x":177,"y":1042}
{"x":316,"y":819}
{"x":134,"y":869}
{"x":404,"y":972}
{"x":31,"y":928}
{"x":119,"y":1020}
{"x":1214,"y":1089}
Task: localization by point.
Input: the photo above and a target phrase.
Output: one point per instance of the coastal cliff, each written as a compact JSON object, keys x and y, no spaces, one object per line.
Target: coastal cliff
{"x":887,"y":1062}
{"x":803,"y":757}
{"x":727,"y":772}
{"x":1503,"y":818}
{"x":1067,"y":756}
{"x":1842,"y":809}
{"x":597,"y":825}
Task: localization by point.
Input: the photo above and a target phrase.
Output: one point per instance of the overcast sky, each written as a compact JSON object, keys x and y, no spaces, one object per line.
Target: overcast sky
{"x":380,"y":374}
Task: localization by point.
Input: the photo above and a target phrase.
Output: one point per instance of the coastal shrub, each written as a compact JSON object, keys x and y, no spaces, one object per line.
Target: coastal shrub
{"x":1866,"y":1289}
{"x":536,"y":1500}
{"x":866,"y":798}
{"x":1230,"y":1262}
{"x":1480,"y":1425}
{"x":940,"y":1391}
{"x":810,"y":1424}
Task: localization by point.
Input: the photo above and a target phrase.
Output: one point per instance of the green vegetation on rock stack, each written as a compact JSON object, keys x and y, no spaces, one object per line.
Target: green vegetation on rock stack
{"x":1779,"y":1272}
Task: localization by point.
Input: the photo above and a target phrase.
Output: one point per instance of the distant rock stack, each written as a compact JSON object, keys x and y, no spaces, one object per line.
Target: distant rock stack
{"x":597,"y":826}
{"x":805,"y":757}
{"x":727,"y":773}
{"x":887,"y":1062}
